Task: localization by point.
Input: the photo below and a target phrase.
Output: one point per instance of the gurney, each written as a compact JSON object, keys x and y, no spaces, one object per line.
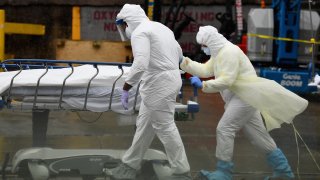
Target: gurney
{"x":41,"y":86}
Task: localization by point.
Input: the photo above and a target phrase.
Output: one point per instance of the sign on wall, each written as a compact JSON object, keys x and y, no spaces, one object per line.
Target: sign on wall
{"x":97,"y":23}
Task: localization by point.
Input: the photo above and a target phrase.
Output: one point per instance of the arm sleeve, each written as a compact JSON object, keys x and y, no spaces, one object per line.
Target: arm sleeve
{"x":180,"y":52}
{"x":227,"y":72}
{"x":198,"y":69}
{"x":141,"y":53}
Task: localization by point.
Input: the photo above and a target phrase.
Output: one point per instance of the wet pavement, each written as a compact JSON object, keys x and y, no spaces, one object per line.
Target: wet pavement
{"x":85,"y":130}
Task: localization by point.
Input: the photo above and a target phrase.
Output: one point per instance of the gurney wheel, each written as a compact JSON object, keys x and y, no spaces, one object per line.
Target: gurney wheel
{"x":181,"y":116}
{"x":147,"y":172}
{"x":24,"y":172}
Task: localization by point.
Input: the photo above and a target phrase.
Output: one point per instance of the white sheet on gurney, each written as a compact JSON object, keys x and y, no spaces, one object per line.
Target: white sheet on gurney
{"x":98,"y":97}
{"x":100,"y":88}
{"x":55,"y":77}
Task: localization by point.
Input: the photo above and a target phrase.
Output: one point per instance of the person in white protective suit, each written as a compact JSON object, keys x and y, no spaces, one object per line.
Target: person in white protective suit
{"x":246,"y":97}
{"x":156,"y":64}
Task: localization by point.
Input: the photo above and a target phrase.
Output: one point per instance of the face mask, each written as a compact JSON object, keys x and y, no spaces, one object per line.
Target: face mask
{"x":128,"y":33}
{"x":206,"y":50}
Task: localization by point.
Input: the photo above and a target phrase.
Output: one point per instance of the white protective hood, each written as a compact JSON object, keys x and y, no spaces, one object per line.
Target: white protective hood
{"x":210,"y":37}
{"x":133,"y":15}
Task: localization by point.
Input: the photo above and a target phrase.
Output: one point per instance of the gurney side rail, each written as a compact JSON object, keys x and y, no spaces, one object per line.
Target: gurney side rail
{"x":88,"y":87}
{"x":63,"y":85}
{"x":7,"y":100}
{"x":37,"y":87}
{"x":46,"y":64}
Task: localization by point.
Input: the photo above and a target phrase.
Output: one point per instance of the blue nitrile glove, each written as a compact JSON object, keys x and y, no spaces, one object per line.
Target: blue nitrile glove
{"x":196,"y":82}
{"x":125,"y":99}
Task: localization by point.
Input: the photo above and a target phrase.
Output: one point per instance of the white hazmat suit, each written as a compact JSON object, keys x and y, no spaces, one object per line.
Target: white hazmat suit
{"x":245,"y":94}
{"x":156,"y":64}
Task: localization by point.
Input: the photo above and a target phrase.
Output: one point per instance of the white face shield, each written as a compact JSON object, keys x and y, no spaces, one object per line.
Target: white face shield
{"x":206,"y":50}
{"x":121,"y":26}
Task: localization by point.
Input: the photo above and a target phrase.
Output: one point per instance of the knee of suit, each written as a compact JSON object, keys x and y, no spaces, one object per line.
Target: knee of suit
{"x":225,"y":131}
{"x":164,"y":127}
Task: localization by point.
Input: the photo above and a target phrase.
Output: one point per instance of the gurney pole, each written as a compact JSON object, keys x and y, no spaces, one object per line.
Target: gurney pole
{"x":40,"y":118}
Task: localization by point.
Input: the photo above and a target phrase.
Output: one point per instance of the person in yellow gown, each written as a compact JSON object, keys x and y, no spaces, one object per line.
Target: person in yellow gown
{"x":247,"y":98}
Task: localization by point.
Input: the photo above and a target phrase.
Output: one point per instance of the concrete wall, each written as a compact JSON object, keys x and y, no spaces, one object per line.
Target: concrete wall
{"x":102,"y":51}
{"x":57,"y":17}
{"x":115,"y":2}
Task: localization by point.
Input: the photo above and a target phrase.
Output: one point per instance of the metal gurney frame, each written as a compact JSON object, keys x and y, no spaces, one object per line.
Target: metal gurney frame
{"x":41,"y":111}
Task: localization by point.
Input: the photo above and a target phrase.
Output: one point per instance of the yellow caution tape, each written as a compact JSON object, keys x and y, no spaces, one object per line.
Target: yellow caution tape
{"x":312,"y":40}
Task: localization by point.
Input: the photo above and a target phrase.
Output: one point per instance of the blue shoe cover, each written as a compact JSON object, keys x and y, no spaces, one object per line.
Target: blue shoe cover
{"x":223,"y":172}
{"x":215,"y":175}
{"x":279,"y":163}
{"x":279,"y":177}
